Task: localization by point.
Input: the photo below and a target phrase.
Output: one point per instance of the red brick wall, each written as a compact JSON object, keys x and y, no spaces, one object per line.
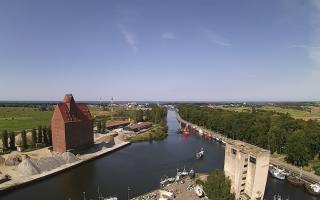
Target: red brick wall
{"x":79,"y":134}
{"x":58,"y":132}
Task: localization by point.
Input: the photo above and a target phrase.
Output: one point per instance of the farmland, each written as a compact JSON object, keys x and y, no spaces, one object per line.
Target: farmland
{"x":19,"y":118}
{"x":298,"y":112}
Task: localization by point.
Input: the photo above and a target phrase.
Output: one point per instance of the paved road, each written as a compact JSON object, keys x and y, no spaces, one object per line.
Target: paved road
{"x":307,"y":176}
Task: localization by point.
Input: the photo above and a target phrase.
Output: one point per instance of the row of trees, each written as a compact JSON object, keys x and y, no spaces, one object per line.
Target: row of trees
{"x":298,"y":139}
{"x":101,"y":126}
{"x":42,"y":135}
{"x":156,"y":114}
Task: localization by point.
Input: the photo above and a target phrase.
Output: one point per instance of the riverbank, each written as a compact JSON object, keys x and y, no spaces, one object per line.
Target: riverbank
{"x":306,"y":176}
{"x":182,"y":190}
{"x":18,"y":180}
{"x":157,"y":132}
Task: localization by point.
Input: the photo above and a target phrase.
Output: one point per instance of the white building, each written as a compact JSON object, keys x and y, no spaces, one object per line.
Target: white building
{"x":247,"y":167}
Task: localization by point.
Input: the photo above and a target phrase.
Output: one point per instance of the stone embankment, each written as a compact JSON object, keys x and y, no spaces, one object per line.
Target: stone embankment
{"x":33,"y":170}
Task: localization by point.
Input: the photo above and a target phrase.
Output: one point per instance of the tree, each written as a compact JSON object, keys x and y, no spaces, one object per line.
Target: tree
{"x":103,"y":127}
{"x":34,"y":137}
{"x":217,"y":186}
{"x":24,"y":139}
{"x":297,"y":150}
{"x":39,"y":134}
{"x":99,"y":126}
{"x":12,"y":141}
{"x":49,"y":133}
{"x":45,"y":135}
{"x":5,"y":139}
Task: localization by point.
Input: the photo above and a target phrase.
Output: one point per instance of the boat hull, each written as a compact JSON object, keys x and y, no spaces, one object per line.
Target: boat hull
{"x":311,"y":191}
{"x":295,"y":181}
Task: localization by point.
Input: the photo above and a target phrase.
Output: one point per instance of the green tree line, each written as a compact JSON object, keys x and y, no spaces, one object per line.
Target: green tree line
{"x":298,"y":139}
{"x":42,"y":135}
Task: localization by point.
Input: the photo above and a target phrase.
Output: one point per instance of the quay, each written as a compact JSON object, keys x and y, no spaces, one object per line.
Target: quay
{"x":305,"y":176}
{"x":26,"y":180}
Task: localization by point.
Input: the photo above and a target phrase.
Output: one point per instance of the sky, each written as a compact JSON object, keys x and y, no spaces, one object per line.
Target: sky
{"x":187,"y":50}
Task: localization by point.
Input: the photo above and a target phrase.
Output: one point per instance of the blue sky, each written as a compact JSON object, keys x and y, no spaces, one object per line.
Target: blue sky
{"x":215,"y":50}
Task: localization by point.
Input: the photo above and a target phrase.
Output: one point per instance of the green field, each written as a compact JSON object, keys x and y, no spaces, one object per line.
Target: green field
{"x":308,"y":112}
{"x":19,"y":118}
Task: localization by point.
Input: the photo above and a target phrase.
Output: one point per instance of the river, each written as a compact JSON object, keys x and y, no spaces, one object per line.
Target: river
{"x":140,"y":167}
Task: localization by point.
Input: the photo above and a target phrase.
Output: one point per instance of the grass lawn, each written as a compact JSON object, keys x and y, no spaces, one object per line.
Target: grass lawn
{"x":19,"y":118}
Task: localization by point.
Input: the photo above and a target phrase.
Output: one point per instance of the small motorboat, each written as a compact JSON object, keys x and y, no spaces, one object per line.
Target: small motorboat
{"x":184,"y":172}
{"x":192,"y":174}
{"x":277,"y":173}
{"x":200,"y":154}
{"x":199,"y":191}
{"x":313,"y":189}
{"x":294,"y":180}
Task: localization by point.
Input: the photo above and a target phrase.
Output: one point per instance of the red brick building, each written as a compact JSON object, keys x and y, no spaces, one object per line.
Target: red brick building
{"x":72,"y":126}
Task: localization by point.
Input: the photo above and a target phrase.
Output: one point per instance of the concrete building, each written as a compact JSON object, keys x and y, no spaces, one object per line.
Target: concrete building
{"x":72,"y":126}
{"x":247,"y":167}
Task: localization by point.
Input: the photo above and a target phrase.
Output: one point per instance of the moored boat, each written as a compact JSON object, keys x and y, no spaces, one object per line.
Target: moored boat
{"x":294,"y":180}
{"x":313,"y":189}
{"x":200,"y":154}
{"x":277,"y":173}
{"x":199,"y":191}
{"x":191,"y":173}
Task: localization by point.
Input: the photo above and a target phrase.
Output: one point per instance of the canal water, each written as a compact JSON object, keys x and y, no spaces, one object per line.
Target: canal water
{"x":140,"y":167}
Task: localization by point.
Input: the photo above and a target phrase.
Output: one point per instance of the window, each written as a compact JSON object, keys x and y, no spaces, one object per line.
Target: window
{"x":253,"y":160}
{"x":244,"y":178}
{"x":241,"y":191}
{"x":246,"y":165}
{"x":233,"y":151}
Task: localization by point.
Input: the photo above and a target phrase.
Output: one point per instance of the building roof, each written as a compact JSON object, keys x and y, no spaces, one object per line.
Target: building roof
{"x":140,"y":125}
{"x":248,"y":148}
{"x":117,"y":123}
{"x":72,"y":111}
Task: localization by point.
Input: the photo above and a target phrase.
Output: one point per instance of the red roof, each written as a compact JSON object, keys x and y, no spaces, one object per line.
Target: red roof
{"x":72,"y":111}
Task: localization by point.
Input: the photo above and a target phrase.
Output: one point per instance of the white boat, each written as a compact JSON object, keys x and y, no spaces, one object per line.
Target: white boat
{"x":223,"y":142}
{"x":191,"y":173}
{"x":200,"y":154}
{"x":277,"y":173}
{"x":199,"y":191}
{"x":313,"y":189}
{"x":184,"y":172}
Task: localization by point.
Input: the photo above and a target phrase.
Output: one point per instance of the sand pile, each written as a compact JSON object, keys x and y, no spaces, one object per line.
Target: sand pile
{"x":69,"y":157}
{"x":2,"y":160}
{"x":30,"y":167}
{"x":13,"y":160}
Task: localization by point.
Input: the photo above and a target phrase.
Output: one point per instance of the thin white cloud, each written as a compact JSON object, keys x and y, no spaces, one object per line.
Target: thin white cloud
{"x":168,"y":35}
{"x":216,"y":38}
{"x":129,"y":37}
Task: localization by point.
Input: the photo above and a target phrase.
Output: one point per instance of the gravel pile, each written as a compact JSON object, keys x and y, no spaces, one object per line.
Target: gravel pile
{"x":69,"y":157}
{"x":2,"y":160}
{"x":30,"y":167}
{"x":12,"y":160}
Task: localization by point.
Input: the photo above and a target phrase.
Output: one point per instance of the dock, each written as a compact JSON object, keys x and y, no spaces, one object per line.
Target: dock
{"x":306,"y":176}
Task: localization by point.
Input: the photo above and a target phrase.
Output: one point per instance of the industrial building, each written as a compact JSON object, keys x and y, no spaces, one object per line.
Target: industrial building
{"x":72,"y":126}
{"x":247,"y":167}
{"x":138,"y":126}
{"x":110,"y":125}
